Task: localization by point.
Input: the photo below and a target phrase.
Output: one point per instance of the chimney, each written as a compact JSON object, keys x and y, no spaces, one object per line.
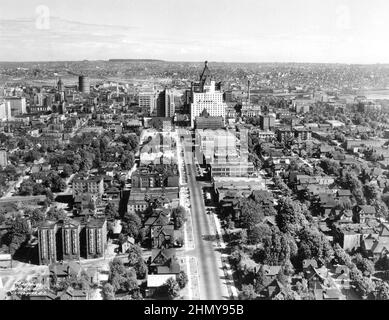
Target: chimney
{"x":248,"y":92}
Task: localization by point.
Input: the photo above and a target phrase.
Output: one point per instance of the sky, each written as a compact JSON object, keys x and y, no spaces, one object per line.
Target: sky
{"x":331,"y":31}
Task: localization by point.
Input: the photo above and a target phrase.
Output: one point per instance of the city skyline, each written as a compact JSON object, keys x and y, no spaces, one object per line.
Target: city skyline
{"x":270,"y":31}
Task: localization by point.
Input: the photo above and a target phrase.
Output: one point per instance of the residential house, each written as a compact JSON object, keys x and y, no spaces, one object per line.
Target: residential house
{"x":162,"y":236}
{"x":164,"y":261}
{"x":342,"y":277}
{"x":363,"y":213}
{"x":64,"y":270}
{"x":377,"y":247}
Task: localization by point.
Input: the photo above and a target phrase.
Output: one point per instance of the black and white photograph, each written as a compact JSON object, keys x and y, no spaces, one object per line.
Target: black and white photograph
{"x":211,"y":150}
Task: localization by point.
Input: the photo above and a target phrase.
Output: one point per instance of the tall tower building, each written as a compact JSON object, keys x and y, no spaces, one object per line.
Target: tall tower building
{"x":165,"y":104}
{"x":60,"y":95}
{"x":267,"y":122}
{"x":83,"y":84}
{"x":3,"y":158}
{"x":207,"y":95}
{"x":5,"y":110}
{"x":71,"y":240}
{"x":18,"y":105}
{"x":96,"y":238}
{"x":147,"y":100}
{"x":47,"y":242}
{"x":60,"y":86}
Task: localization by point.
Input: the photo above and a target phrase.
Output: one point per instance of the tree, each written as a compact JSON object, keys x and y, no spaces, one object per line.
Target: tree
{"x":56,"y":183}
{"x":382,"y":291}
{"x":261,"y":280}
{"x":314,"y":245}
{"x":38,"y":189}
{"x":280,"y":184}
{"x":291,"y":215}
{"x":141,"y":269}
{"x":364,"y":136}
{"x":172,"y":288}
{"x":276,"y":249}
{"x":18,"y":234}
{"x":330,"y":166}
{"x":121,"y":278}
{"x":134,"y":255}
{"x":131,"y":224}
{"x":31,"y":156}
{"x":37,"y":216}
{"x":26,"y":188}
{"x":250,"y":213}
{"x":372,"y":192}
{"x":182,"y":279}
{"x":49,"y":195}
{"x":127,"y":160}
{"x":248,"y":292}
{"x":111,"y":211}
{"x":179,"y":217}
{"x":67,"y":171}
{"x":365,"y":265}
{"x":22,"y":143}
{"x":258,"y":233}
{"x":108,"y":292}
{"x":56,"y":214}
{"x":303,"y":291}
{"x":341,"y":256}
{"x":349,"y":180}
{"x":364,"y":285}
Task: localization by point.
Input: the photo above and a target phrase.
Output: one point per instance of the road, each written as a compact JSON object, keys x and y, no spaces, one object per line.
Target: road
{"x":209,"y":261}
{"x":14,"y":187}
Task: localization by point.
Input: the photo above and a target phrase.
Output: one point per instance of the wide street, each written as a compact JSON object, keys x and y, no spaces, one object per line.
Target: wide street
{"x":212,"y":284}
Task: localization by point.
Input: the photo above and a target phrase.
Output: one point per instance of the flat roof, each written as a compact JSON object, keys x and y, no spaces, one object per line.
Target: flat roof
{"x":158,"y":280}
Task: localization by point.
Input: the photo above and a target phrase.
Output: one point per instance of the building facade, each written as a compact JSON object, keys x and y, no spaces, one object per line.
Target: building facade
{"x":47,"y":242}
{"x":71,"y":240}
{"x":83,"y":84}
{"x":166,"y":104}
{"x":18,"y":105}
{"x":207,"y":95}
{"x":3,"y":158}
{"x":267,"y":122}
{"x":96,"y":238}
{"x":5,"y":111}
{"x":147,"y":100}
{"x":91,"y":185}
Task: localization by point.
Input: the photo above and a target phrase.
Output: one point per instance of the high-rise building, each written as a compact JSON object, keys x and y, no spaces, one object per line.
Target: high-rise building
{"x":225,"y":151}
{"x":47,"y":242}
{"x":18,"y":105}
{"x":5,"y":110}
{"x":83,"y":84}
{"x":267,"y":122}
{"x":207,"y":95}
{"x":3,"y":158}
{"x":37,"y":99}
{"x":71,"y":240}
{"x":60,"y":86}
{"x":96,"y":238}
{"x":166,"y":104}
{"x":147,"y":101}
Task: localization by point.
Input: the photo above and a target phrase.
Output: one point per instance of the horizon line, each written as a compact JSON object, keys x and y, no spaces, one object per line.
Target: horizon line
{"x":194,"y":61}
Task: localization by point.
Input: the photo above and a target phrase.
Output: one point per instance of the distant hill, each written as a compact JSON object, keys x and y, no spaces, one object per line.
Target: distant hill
{"x":135,"y":60}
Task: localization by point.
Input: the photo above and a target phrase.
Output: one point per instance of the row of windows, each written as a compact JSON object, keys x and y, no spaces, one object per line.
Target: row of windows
{"x":137,"y":207}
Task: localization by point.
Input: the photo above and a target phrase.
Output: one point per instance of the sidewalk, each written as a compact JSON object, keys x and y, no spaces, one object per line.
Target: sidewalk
{"x":225,"y":267}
